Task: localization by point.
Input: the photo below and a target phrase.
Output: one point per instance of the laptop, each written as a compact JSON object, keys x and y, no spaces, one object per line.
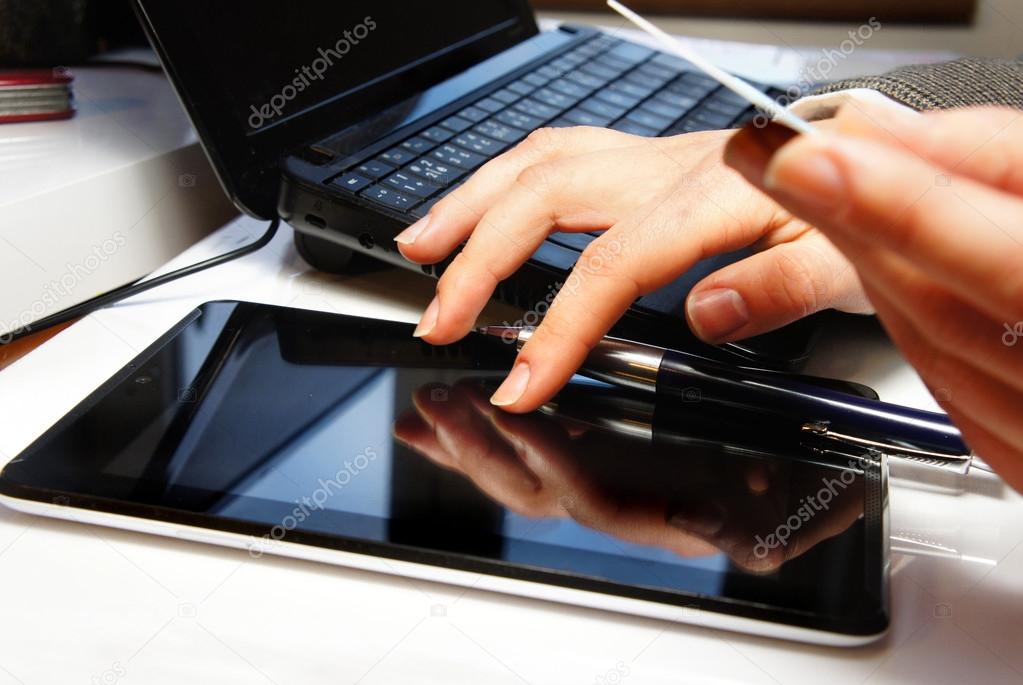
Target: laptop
{"x":349,"y":120}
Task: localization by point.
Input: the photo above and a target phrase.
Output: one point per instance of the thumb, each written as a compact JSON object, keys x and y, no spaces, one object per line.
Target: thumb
{"x":772,"y":288}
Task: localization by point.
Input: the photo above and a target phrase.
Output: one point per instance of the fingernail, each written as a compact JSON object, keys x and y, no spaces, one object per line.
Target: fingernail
{"x":429,"y":320}
{"x":514,"y":386}
{"x":410,"y":234}
{"x":806,"y":171}
{"x":716,"y":314}
{"x":751,"y":149}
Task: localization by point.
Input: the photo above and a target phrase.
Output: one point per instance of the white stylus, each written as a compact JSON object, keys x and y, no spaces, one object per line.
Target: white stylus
{"x":733,"y":83}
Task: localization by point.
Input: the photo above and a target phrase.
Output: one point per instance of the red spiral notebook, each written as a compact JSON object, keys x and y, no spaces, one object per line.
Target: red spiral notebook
{"x":35,"y":95}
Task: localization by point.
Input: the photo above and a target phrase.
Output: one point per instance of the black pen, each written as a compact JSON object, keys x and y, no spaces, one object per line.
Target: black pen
{"x":823,"y":412}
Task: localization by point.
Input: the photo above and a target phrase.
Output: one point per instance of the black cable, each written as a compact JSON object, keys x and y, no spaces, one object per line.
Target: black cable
{"x":100,"y":301}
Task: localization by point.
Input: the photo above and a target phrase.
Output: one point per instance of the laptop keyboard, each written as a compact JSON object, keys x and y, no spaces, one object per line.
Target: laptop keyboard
{"x":603,"y":82}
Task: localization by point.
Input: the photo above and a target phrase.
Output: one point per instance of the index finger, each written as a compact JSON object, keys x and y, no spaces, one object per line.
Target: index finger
{"x":632,"y":258}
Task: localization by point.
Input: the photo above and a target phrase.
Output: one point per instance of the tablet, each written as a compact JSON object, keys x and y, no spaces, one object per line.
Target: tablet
{"x":345,"y":440}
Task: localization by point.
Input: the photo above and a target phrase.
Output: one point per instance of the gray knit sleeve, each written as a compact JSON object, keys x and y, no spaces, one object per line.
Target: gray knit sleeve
{"x":962,"y":83}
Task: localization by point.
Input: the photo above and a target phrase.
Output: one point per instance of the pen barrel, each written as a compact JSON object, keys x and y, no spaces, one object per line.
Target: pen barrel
{"x":695,"y":380}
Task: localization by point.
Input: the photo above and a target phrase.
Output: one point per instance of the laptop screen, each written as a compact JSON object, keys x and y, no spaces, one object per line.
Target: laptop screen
{"x":262,"y":76}
{"x":294,"y":59}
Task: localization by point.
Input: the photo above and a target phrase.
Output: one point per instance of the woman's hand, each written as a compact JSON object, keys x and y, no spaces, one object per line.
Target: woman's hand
{"x":692,"y":503}
{"x":930,"y":211}
{"x":663,"y":204}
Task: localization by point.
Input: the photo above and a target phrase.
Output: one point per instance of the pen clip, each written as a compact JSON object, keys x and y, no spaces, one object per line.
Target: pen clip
{"x":957,"y":463}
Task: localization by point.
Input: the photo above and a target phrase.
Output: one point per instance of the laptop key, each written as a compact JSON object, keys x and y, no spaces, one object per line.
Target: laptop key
{"x":549,"y":72}
{"x":712,"y":119}
{"x":516,"y":119}
{"x":397,"y":156}
{"x":411,"y":185}
{"x":456,"y":124}
{"x":603,"y":109}
{"x":521,"y":87}
{"x":575,"y":241}
{"x":587,"y":80}
{"x":655,"y":71}
{"x":474,"y":114}
{"x":477,"y":143}
{"x":432,"y":170}
{"x":682,"y":103}
{"x":628,"y":126}
{"x":437,"y":134}
{"x":600,"y":71}
{"x":352,"y":181}
{"x":691,"y":126}
{"x":537,"y":109}
{"x":506,"y":96}
{"x":581,"y":117}
{"x":375,"y":169}
{"x":630,"y":53}
{"x":535,"y":79}
{"x":570,"y":88}
{"x":389,"y":197}
{"x":724,"y":107}
{"x":490,"y":105}
{"x":418,"y":145}
{"x":676,"y":64}
{"x":555,"y":99}
{"x":498,"y":131}
{"x":664,"y":109}
{"x":636,"y":90}
{"x":612,"y":63}
{"x":456,"y":156}
{"x":649,"y":119}
{"x":617,"y":98}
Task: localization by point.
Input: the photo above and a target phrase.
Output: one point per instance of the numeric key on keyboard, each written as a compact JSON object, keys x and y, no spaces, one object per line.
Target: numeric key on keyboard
{"x":456,"y":156}
{"x":411,"y":185}
{"x":389,"y":197}
{"x":432,"y":170}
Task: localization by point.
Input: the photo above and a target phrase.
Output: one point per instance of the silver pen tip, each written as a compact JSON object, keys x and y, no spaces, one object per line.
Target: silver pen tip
{"x":507,"y":333}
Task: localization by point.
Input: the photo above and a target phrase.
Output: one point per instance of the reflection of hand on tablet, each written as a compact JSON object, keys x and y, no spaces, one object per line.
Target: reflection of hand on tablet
{"x":539,"y":467}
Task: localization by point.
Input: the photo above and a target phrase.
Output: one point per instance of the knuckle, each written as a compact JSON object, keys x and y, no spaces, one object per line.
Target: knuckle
{"x":543,"y":140}
{"x":801,"y":282}
{"x":601,"y":258}
{"x":540,"y":178}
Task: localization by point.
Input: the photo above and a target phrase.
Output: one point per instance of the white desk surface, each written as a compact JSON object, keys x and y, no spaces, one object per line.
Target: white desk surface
{"x":89,"y":604}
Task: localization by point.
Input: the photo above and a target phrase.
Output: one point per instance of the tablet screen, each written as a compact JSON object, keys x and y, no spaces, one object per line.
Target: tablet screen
{"x":346,"y":433}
